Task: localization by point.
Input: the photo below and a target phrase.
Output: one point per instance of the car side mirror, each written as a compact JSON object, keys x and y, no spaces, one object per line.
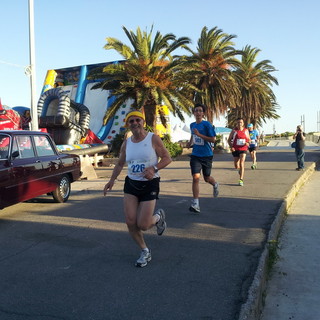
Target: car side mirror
{"x":15,"y":154}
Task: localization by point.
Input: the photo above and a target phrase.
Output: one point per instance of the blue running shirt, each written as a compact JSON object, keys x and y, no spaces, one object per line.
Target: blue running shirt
{"x":253,"y":138}
{"x":202,"y":148}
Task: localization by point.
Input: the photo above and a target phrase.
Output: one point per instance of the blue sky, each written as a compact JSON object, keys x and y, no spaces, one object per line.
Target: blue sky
{"x":70,"y":33}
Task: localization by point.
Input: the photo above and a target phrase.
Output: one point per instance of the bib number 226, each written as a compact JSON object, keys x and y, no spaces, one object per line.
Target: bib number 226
{"x":137,"y":168}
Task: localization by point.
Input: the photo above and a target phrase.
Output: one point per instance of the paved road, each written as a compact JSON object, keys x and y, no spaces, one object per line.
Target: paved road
{"x":76,"y":260}
{"x":286,"y":143}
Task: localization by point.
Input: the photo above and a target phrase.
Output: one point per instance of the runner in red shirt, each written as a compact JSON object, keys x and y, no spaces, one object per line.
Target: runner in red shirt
{"x":239,"y":142}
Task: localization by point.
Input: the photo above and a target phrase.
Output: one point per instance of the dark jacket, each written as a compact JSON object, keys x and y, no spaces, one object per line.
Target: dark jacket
{"x":299,"y":142}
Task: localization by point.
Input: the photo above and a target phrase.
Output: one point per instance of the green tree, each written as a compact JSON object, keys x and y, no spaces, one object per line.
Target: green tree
{"x":212,"y":63}
{"x":149,"y":75}
{"x":255,"y":80}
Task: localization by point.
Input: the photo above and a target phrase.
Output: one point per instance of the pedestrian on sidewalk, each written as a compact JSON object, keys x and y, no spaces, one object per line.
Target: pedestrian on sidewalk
{"x":239,"y":141}
{"x":26,"y":120}
{"x":141,"y":152}
{"x":202,"y":135}
{"x":300,"y":138}
{"x":253,"y":146}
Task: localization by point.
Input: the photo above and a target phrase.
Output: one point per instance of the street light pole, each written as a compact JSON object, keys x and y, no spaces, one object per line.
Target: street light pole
{"x":34,"y":113}
{"x":303,"y":123}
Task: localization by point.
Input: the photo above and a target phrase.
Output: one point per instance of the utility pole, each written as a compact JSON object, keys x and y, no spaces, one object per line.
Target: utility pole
{"x":32,"y":69}
{"x":303,"y":123}
{"x":274,"y":131}
{"x":318,"y":121}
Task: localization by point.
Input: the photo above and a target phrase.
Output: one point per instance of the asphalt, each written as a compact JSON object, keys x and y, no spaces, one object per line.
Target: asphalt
{"x":76,"y":260}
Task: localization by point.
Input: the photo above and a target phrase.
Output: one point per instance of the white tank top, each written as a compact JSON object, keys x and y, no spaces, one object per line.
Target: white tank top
{"x":140,"y":155}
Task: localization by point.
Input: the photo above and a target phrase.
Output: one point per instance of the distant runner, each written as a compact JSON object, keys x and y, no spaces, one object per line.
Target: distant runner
{"x":239,"y":141}
{"x":253,"y":146}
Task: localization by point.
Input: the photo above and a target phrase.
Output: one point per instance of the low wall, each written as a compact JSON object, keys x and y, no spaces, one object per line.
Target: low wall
{"x":314,"y":137}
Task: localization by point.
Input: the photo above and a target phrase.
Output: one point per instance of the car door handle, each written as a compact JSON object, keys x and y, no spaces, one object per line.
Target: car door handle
{"x":38,"y":161}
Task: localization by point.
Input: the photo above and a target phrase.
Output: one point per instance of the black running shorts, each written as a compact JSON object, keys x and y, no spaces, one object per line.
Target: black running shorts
{"x":143,"y":190}
{"x":237,"y":153}
{"x":252,"y":149}
{"x":201,"y":163}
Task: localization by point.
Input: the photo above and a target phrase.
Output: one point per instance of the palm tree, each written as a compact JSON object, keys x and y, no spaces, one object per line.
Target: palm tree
{"x":148,"y":75}
{"x":265,"y":114}
{"x":257,"y":100}
{"x":214,"y":61}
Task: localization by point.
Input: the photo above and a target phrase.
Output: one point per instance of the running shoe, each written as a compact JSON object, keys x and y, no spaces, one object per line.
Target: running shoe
{"x":216,"y":190}
{"x":241,"y":183}
{"x":254,"y":166}
{"x":144,"y":258}
{"x":194,"y":208}
{"x":161,"y":224}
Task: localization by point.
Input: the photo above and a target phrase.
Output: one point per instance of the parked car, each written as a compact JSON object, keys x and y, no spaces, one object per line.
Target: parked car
{"x":31,"y":165}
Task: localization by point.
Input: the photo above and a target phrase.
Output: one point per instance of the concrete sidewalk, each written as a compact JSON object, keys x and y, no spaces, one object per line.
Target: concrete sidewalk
{"x":293,"y":290}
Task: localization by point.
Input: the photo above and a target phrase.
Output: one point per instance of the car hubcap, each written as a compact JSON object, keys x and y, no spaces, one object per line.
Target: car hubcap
{"x":64,"y":188}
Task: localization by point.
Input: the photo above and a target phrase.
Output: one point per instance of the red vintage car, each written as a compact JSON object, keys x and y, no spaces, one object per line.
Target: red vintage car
{"x":30,"y":165}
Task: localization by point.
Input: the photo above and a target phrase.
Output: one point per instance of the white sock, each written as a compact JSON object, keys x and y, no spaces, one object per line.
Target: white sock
{"x":195,"y":202}
{"x":145,"y":249}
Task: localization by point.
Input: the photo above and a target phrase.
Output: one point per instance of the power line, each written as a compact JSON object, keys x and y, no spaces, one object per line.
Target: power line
{"x":27,"y":69}
{"x":12,"y":64}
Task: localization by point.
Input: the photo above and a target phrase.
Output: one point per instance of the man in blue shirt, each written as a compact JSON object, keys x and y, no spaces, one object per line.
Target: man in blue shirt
{"x":254,"y":138}
{"x":202,"y":135}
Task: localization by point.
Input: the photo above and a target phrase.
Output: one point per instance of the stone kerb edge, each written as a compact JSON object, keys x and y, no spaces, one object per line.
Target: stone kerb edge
{"x":251,"y":309}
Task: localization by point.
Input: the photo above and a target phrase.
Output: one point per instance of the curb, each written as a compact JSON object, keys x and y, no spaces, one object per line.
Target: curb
{"x":251,"y":309}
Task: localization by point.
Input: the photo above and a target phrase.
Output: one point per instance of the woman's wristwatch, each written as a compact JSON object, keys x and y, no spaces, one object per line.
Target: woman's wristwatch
{"x":155,"y":169}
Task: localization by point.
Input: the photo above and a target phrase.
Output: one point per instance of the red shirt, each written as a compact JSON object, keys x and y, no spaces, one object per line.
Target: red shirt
{"x":240,"y":138}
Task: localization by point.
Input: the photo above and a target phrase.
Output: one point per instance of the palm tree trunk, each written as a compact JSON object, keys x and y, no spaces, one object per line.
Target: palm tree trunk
{"x":210,"y":115}
{"x":151,"y":117}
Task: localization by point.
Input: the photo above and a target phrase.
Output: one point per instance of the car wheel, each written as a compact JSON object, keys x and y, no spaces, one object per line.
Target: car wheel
{"x":62,"y":193}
